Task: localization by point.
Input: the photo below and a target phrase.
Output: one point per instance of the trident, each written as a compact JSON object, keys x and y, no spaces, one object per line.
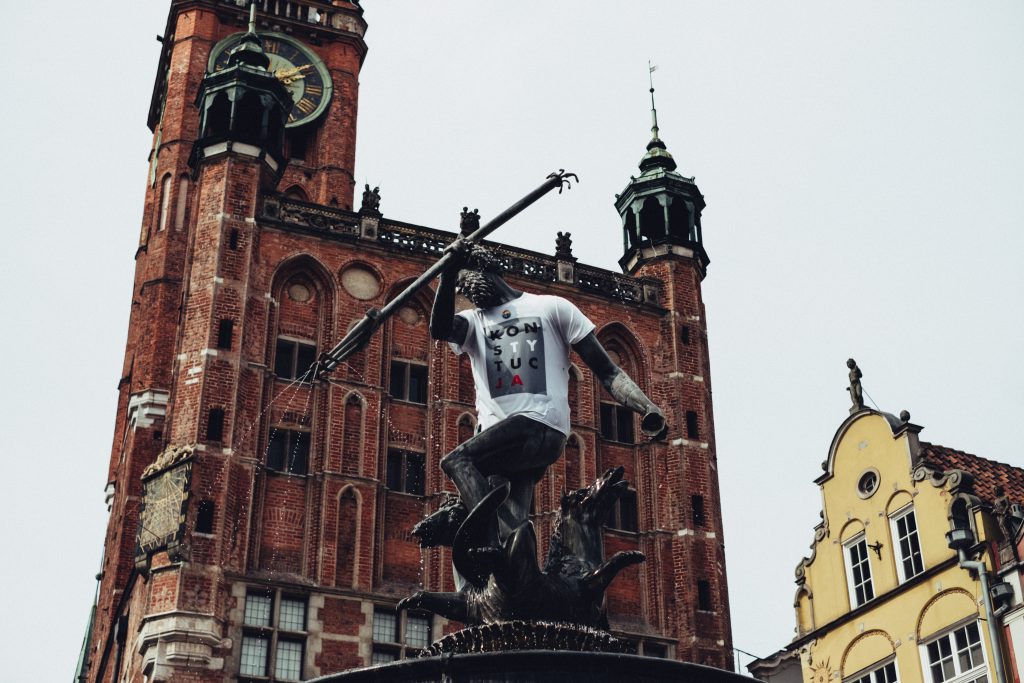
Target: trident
{"x":360,"y":334}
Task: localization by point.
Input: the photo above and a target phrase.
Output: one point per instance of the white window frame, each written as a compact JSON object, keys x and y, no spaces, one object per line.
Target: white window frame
{"x":913,"y":538}
{"x":272,"y":634}
{"x":400,"y":647}
{"x":959,"y":676}
{"x":848,"y":564}
{"x":870,"y":675}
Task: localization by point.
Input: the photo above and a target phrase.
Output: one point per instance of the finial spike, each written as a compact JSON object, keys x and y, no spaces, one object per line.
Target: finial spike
{"x":252,"y":16}
{"x":651,"y":68}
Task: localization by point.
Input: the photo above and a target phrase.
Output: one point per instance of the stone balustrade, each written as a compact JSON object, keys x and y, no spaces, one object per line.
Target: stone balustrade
{"x":294,"y":214}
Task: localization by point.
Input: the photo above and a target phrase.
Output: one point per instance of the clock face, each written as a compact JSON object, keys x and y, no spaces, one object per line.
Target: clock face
{"x":295,"y":65}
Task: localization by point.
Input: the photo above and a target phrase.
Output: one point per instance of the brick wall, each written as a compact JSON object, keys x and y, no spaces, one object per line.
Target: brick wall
{"x":336,"y":535}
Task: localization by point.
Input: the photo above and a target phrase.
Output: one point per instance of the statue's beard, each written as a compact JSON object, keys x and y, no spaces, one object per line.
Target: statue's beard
{"x":478,"y":288}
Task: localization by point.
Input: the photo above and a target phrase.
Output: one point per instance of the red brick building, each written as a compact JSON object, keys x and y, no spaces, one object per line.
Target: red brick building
{"x":259,"y":521}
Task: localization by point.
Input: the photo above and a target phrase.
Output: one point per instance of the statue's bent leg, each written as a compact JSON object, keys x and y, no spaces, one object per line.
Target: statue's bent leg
{"x":540,"y":451}
{"x":519,"y":449}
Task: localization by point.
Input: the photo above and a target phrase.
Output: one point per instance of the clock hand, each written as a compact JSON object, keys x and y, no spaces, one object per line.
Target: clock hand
{"x":283,"y":74}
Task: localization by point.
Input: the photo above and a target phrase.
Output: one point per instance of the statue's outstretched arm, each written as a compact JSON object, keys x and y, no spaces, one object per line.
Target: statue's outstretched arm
{"x":444,"y":324}
{"x":621,"y":387}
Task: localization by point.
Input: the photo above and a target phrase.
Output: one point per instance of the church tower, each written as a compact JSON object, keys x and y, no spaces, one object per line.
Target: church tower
{"x":260,"y":516}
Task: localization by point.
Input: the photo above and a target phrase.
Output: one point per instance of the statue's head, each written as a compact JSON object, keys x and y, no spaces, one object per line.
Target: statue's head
{"x":478,"y":280}
{"x":850,"y":363}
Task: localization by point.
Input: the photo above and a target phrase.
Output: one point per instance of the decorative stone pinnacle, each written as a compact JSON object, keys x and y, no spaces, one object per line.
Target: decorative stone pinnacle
{"x":469,"y":221}
{"x":563,"y":247}
{"x":371,"y":201}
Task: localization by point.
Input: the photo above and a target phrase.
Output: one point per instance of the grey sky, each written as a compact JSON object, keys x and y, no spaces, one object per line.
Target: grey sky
{"x":862,"y":165}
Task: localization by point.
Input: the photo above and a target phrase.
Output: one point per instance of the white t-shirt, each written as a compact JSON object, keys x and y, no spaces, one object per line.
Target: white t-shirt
{"x":520,"y":357}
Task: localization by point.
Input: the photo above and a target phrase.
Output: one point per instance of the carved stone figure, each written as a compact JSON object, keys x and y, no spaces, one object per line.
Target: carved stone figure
{"x":469,"y":221}
{"x":371,"y":201}
{"x":570,"y":588}
{"x":170,"y":456}
{"x":563,"y":246}
{"x":855,"y":389}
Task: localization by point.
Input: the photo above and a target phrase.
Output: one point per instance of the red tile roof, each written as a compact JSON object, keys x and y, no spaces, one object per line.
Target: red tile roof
{"x":988,"y":474}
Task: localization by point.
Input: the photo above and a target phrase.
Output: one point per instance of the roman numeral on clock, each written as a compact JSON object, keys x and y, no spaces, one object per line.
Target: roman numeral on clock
{"x":306,"y":106}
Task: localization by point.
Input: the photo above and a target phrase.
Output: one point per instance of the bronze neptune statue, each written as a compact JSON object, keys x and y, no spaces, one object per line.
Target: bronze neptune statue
{"x":519,"y":344}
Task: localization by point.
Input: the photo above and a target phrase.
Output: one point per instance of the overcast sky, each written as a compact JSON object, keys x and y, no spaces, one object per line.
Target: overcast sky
{"x":861,"y":162}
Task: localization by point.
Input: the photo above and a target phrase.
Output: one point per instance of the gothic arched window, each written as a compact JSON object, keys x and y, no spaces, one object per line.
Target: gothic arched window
{"x":652,"y":219}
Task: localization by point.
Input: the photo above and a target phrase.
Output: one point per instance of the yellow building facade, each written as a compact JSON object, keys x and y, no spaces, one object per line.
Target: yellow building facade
{"x":883,"y":597}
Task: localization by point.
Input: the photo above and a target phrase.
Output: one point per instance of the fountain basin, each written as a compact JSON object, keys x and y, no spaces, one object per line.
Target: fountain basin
{"x":536,"y":666}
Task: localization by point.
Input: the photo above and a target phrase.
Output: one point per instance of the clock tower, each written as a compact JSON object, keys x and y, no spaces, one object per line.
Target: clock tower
{"x":238,"y":109}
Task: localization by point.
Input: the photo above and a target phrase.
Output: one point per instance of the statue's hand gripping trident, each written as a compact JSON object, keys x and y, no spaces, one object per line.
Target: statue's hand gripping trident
{"x":361,"y":333}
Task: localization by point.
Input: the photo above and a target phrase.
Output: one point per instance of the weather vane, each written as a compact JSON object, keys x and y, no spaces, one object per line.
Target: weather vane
{"x":651,"y":68}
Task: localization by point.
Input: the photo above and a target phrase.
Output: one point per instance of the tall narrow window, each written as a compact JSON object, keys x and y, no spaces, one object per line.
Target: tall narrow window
{"x":298,"y":142}
{"x":858,"y":571}
{"x":204,"y":517}
{"x":288,"y":451}
{"x":957,"y":656}
{"x":908,"y":546}
{"x":692,"y":430}
{"x":215,"y":425}
{"x":697,"y":510}
{"x":225,"y":333}
{"x":704,"y":596}
{"x":408,"y":382}
{"x":165,"y":202}
{"x":684,"y":335}
{"x":405,"y":471}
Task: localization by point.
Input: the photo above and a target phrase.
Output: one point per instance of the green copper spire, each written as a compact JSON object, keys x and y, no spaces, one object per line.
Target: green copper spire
{"x":654,"y":111}
{"x":657,"y":154}
{"x":250,"y":49}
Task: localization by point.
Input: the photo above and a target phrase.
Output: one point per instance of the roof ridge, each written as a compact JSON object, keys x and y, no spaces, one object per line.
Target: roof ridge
{"x":927,"y":444}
